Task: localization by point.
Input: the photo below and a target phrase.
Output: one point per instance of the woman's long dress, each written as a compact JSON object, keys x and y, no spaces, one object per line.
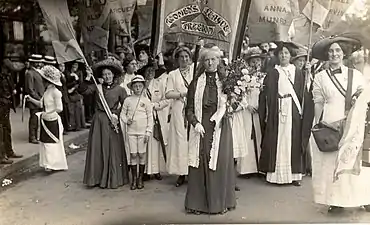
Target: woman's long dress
{"x":52,"y":152}
{"x":177,"y":157}
{"x":106,"y":162}
{"x":349,"y":190}
{"x":248,"y":164}
{"x":282,"y":152}
{"x":156,"y":93}
{"x":211,"y":191}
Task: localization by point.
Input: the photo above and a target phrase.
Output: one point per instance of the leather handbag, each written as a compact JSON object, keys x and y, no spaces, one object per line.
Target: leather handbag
{"x":327,"y":136}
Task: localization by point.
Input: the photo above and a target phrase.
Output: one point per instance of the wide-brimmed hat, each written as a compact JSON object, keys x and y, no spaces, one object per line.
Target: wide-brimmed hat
{"x":301,"y":52}
{"x":36,"y":58}
{"x":111,"y":64}
{"x":125,"y":48}
{"x":137,"y":78}
{"x":321,"y":47}
{"x":51,"y":74}
{"x":49,"y":60}
{"x":254,"y":52}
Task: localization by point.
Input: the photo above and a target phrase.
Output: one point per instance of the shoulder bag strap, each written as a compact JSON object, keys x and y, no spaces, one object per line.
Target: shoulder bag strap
{"x":336,"y":83}
{"x":347,"y":94}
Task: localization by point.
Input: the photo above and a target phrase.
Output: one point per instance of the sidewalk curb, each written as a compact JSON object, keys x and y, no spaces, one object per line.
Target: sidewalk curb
{"x":28,"y":163}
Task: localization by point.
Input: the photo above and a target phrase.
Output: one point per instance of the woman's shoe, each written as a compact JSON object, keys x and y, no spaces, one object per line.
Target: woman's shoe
{"x":296,"y":183}
{"x":158,"y":176}
{"x":367,"y":208}
{"x":335,"y":209}
{"x":180,"y":181}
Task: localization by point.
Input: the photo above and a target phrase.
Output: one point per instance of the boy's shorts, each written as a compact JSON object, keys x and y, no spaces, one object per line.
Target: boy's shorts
{"x":136,"y":144}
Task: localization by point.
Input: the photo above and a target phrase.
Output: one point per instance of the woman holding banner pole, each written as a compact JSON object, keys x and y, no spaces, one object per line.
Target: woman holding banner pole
{"x":177,"y":88}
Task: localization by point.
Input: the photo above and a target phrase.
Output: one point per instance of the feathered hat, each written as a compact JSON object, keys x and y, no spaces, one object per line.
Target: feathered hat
{"x":51,"y":74}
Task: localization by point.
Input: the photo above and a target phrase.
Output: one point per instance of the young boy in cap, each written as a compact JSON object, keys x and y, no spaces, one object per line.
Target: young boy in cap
{"x":137,"y":113}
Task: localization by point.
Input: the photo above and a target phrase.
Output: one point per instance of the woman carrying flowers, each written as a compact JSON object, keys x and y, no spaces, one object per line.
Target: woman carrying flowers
{"x":248,"y":164}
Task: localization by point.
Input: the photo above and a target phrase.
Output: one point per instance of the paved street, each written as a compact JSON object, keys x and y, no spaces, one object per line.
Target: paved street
{"x":61,"y":198}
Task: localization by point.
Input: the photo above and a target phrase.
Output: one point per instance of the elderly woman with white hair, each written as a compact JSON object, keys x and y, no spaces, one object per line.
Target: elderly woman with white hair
{"x":211,"y":179}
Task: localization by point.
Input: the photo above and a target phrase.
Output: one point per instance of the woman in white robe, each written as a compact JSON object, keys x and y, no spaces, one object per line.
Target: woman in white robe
{"x":177,"y":87}
{"x":248,"y":164}
{"x":52,"y":152}
{"x":349,"y":190}
{"x":156,"y":78}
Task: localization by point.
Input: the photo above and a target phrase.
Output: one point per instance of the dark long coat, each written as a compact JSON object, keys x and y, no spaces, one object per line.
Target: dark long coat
{"x":269,"y":116}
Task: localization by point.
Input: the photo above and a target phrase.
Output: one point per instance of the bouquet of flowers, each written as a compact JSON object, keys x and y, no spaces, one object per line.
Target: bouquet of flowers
{"x":235,"y":84}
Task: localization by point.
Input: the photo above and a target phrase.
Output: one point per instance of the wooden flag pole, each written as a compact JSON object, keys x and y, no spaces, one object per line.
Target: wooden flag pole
{"x":101,"y":96}
{"x":307,"y":72}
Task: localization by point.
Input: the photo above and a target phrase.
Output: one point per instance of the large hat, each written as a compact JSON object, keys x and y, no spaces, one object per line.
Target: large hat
{"x":51,"y":74}
{"x":254,"y":52}
{"x":36,"y":58}
{"x":111,"y":64}
{"x":300,"y":53}
{"x":50,"y":60}
{"x":320,"y":48}
{"x":137,"y":78}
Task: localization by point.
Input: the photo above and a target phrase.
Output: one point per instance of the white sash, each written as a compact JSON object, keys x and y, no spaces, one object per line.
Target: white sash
{"x":291,"y":90}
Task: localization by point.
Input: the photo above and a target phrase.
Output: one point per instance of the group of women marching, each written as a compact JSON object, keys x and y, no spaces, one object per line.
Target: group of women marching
{"x":183,"y":119}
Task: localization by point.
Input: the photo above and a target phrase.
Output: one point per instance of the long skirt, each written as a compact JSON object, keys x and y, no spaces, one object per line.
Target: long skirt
{"x":348,"y":191}
{"x":52,"y":152}
{"x":213,"y":191}
{"x":106,"y":163}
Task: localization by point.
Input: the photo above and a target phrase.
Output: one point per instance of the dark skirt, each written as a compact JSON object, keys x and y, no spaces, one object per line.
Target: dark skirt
{"x":213,"y":191}
{"x":106,"y":162}
{"x":53,"y":127}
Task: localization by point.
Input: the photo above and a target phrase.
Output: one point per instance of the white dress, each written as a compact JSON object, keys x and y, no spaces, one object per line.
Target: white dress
{"x":249,"y":163}
{"x":349,"y":190}
{"x":283,"y":169}
{"x":157,"y":88}
{"x":177,"y":155}
{"x":52,"y":155}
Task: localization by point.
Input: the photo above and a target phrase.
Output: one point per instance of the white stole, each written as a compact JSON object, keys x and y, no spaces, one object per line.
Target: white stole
{"x":194,"y":137}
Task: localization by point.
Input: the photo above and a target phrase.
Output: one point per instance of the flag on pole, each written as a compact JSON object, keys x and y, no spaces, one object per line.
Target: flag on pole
{"x":270,"y":20}
{"x":59,"y":24}
{"x":121,"y":12}
{"x":95,"y":23}
{"x":193,"y":20}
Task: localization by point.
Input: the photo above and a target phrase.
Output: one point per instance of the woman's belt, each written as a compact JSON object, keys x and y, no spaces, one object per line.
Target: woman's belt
{"x":285,"y":96}
{"x":50,"y":116}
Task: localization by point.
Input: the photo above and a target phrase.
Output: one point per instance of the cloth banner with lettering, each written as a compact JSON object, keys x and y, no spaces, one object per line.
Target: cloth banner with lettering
{"x":210,"y":20}
{"x":121,"y":12}
{"x":61,"y":32}
{"x":94,"y":16}
{"x":270,"y":20}
{"x":326,"y":15}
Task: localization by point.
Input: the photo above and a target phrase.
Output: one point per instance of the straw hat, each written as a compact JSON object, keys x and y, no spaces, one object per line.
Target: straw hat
{"x":137,"y":78}
{"x":254,"y":52}
{"x":111,"y":64}
{"x":51,"y":74}
{"x":320,"y":48}
{"x":36,"y":58}
{"x":50,"y":60}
